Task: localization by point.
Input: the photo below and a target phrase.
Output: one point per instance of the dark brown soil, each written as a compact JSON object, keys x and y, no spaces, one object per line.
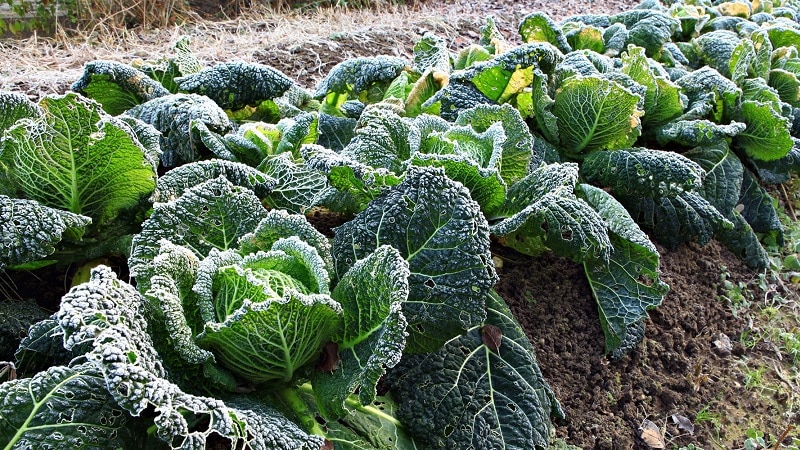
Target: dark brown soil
{"x":677,"y":370}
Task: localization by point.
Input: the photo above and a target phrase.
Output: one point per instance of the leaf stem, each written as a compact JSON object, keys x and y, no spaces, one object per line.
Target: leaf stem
{"x":354,"y":403}
{"x":290,"y":397}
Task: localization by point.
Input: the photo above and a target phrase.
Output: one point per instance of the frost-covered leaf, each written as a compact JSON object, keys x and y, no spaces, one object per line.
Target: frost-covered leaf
{"x":174,"y":115}
{"x":267,"y":341}
{"x":358,"y":78}
{"x":442,"y":234}
{"x":373,"y":334}
{"x":64,"y":407}
{"x":473,"y":394}
{"x":117,"y":86}
{"x":517,"y":147}
{"x":558,"y":221}
{"x":355,"y":184}
{"x":596,"y":114}
{"x":716,"y":49}
{"x":297,"y":187}
{"x":640,"y":172}
{"x":711,"y":95}
{"x":648,"y":28}
{"x":697,"y":132}
{"x":30,"y":231}
{"x":431,"y":53}
{"x":383,"y":139}
{"x":15,"y":106}
{"x":175,"y":182}
{"x":213,"y":214}
{"x":235,"y":85}
{"x":77,"y":158}
{"x":539,"y":27}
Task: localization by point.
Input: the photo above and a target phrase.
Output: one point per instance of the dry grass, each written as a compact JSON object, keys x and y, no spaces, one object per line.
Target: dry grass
{"x":41,"y":65}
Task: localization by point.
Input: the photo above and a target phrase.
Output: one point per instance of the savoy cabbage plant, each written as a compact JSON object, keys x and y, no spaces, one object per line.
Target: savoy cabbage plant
{"x":247,"y":325}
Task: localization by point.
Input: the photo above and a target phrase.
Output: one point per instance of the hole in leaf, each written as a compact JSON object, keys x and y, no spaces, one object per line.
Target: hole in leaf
{"x":545,"y":226}
{"x":430,"y":283}
{"x":492,"y":337}
{"x":329,"y":358}
{"x":566,"y":234}
{"x":320,"y":420}
{"x":645,"y":279}
{"x":448,"y":430}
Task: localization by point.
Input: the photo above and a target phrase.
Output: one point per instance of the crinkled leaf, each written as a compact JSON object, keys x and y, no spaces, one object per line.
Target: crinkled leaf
{"x":106,"y":314}
{"x":710,"y":95}
{"x":268,"y":341}
{"x":373,"y":333}
{"x":30,"y":231}
{"x":716,"y":48}
{"x":43,"y":347}
{"x":780,"y":170}
{"x":674,"y":220}
{"x":468,"y":395}
{"x":787,"y":85}
{"x":485,"y":185}
{"x":767,"y":136}
{"x":297,"y":187}
{"x":235,"y":85}
{"x":173,"y":115}
{"x":213,"y":214}
{"x":759,"y":208}
{"x":546,"y":121}
{"x":517,"y":147}
{"x":470,"y":55}
{"x":506,"y":75}
{"x":64,"y":407}
{"x":558,"y":221}
{"x":662,"y":101}
{"x":174,"y":183}
{"x":587,"y":38}
{"x":743,"y":242}
{"x":697,"y":132}
{"x":383,"y":139}
{"x":355,"y":183}
{"x":117,"y":86}
{"x":723,"y":176}
{"x":15,"y":106}
{"x":628,"y":284}
{"x":95,"y":165}
{"x":541,"y":180}
{"x":539,"y":27}
{"x":640,"y":172}
{"x":442,"y":234}
{"x":351,"y":78}
{"x":648,"y":28}
{"x":595,"y":114}
{"x":280,"y":224}
{"x":431,"y":53}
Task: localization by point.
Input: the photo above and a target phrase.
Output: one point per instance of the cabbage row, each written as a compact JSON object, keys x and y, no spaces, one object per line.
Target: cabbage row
{"x":245,"y":324}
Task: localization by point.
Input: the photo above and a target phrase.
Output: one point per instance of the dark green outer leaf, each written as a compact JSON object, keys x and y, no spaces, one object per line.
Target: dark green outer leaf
{"x":210,"y":215}
{"x":15,"y":106}
{"x":373,"y":333}
{"x":235,"y":85}
{"x":744,"y":243}
{"x":173,"y":115}
{"x":30,"y":231}
{"x":63,"y":407}
{"x":175,"y":182}
{"x":723,"y":179}
{"x":759,"y":208}
{"x":358,"y":74}
{"x":117,"y":86}
{"x":683,"y":218}
{"x":442,"y":234}
{"x":470,"y":394}
{"x":431,"y":53}
{"x":16,"y":316}
{"x":640,"y":172}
